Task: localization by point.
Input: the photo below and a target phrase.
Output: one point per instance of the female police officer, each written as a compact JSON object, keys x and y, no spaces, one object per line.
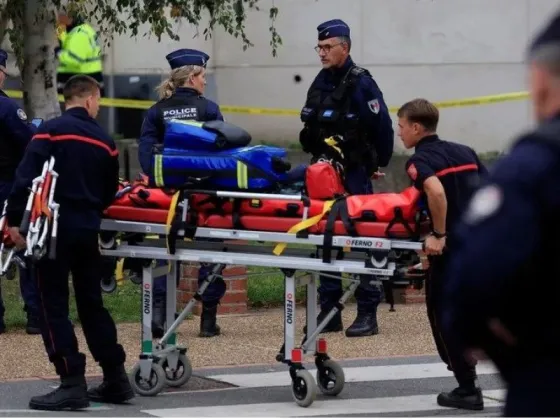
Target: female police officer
{"x":181,"y":99}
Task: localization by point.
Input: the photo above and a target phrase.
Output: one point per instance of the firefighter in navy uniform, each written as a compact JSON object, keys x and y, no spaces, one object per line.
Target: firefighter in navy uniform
{"x":181,"y":99}
{"x":447,"y":174}
{"x":345,"y":100}
{"x":86,"y":159}
{"x":507,"y":247}
{"x":15,"y":134}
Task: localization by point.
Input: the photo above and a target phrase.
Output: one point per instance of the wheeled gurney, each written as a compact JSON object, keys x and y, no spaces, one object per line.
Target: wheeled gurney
{"x":333,"y":237}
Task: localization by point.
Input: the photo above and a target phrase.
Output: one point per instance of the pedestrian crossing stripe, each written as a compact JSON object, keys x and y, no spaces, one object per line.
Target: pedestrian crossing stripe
{"x":353,"y":374}
{"x":327,"y":407}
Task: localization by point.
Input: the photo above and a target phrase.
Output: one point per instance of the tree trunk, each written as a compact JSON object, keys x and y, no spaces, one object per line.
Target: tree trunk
{"x":40,"y":96}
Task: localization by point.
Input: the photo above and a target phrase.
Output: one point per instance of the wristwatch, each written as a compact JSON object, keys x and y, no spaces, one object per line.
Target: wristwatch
{"x":438,"y":235}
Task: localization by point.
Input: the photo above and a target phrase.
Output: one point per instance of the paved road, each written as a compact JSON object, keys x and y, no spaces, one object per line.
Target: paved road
{"x":374,"y":388}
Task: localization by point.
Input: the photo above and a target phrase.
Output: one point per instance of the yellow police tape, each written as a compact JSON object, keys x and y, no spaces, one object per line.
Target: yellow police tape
{"x":144,"y":104}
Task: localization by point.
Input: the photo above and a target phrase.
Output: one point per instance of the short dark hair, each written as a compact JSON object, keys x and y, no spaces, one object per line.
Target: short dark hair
{"x":80,"y":86}
{"x":420,"y":111}
{"x":547,"y":56}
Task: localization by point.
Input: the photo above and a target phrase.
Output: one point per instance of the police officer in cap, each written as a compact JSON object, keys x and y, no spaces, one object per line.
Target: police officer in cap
{"x":15,"y":134}
{"x":345,"y":100}
{"x":447,"y":174}
{"x":86,"y":160}
{"x":507,"y":249}
{"x":181,"y":99}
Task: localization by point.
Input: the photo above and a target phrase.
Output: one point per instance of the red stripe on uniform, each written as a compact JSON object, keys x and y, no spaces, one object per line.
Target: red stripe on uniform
{"x":455,"y":169}
{"x":66,"y":137}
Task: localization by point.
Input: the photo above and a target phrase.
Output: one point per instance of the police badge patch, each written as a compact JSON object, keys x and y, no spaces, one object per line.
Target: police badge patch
{"x":374,"y":106}
{"x":485,"y":203}
{"x":21,"y":114}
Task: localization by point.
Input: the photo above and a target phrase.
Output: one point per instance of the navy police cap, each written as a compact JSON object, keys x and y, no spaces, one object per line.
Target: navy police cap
{"x":187,"y":57}
{"x":333,"y":28}
{"x":549,"y":34}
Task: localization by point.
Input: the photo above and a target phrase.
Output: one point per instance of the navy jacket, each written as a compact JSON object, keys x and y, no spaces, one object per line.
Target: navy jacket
{"x":86,"y":159}
{"x":184,"y":104}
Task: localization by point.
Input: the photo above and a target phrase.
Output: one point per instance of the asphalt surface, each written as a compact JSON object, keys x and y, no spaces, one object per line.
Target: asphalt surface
{"x":393,"y":387}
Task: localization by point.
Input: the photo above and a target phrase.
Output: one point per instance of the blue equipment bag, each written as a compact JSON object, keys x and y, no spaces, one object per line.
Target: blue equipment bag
{"x":210,"y":136}
{"x":254,"y":168}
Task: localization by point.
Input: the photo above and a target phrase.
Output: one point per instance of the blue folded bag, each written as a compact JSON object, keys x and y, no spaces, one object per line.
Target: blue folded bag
{"x":204,"y":136}
{"x":254,"y":168}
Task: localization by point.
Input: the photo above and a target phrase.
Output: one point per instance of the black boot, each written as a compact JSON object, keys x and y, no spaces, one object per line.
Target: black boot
{"x":32,"y":326}
{"x":71,"y":394}
{"x":334,"y":325}
{"x":158,"y":317}
{"x":465,"y":398}
{"x":365,"y":324}
{"x":2,"y":327}
{"x":208,"y":326}
{"x":115,"y":388}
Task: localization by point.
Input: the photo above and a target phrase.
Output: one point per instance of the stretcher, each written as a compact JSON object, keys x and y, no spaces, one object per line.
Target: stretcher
{"x":377,"y":235}
{"x":39,"y":224}
{"x":349,"y":236}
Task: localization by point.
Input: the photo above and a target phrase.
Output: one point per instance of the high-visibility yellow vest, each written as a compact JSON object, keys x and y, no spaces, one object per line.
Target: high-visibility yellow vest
{"x":81,"y":52}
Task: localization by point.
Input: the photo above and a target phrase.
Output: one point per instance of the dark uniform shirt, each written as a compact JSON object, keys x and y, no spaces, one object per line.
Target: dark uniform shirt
{"x":366,"y":106}
{"x":15,"y":134}
{"x":457,"y":166}
{"x":184,"y":104}
{"x":86,"y":160}
{"x":507,"y":246}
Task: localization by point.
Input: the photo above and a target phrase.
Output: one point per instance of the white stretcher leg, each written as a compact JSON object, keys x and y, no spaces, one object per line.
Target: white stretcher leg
{"x":289,"y":313}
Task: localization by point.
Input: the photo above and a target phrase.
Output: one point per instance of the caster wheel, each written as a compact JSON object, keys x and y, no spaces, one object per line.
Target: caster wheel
{"x":304,"y":390}
{"x":330,"y":378}
{"x":135,"y":279}
{"x":108,"y":244}
{"x":181,"y":375}
{"x":153,"y":385}
{"x":109,"y":285}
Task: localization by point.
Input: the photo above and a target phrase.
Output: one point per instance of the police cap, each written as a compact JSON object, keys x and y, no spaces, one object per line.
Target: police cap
{"x":3,"y":57}
{"x":187,"y":57}
{"x":550,"y":34}
{"x":333,"y":28}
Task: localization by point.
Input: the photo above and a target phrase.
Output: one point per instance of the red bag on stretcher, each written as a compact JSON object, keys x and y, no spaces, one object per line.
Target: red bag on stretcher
{"x":381,"y":207}
{"x":323,"y":181}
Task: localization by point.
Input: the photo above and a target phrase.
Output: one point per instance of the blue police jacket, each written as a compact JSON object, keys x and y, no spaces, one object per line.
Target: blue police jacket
{"x":86,"y":159}
{"x":366,"y":104}
{"x":506,"y":247}
{"x":184,"y":104}
{"x":15,"y":134}
{"x":457,"y":166}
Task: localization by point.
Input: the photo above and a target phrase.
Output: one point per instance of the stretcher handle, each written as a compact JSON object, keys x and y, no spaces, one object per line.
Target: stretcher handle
{"x":249,"y":195}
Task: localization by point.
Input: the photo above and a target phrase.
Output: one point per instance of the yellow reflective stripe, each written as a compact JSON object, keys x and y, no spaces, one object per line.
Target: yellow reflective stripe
{"x":304,"y":224}
{"x":242,"y":176}
{"x":158,"y":170}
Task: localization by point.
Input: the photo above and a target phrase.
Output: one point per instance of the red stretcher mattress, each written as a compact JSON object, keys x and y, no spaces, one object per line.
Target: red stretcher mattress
{"x":375,"y":215}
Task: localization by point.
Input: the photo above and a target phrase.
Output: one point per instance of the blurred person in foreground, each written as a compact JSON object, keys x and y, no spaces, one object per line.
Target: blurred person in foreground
{"x":507,"y":243}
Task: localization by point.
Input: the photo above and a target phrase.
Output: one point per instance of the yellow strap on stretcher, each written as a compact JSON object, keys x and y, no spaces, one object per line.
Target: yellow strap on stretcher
{"x":304,"y":224}
{"x":242,"y":176}
{"x":119,"y":272}
{"x":170,"y":217}
{"x":332,"y":142}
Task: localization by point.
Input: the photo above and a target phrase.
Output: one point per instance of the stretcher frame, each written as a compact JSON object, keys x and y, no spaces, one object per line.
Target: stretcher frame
{"x":381,"y":256}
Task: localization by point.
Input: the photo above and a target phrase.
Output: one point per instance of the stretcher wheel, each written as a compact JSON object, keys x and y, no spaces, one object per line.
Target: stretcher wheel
{"x":304,"y":389}
{"x":135,"y":279}
{"x":181,"y":375}
{"x":108,"y":285}
{"x":330,"y":378}
{"x":153,"y":386}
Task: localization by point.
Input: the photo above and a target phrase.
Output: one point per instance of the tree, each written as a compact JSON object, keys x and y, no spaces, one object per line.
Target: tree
{"x":33,"y":33}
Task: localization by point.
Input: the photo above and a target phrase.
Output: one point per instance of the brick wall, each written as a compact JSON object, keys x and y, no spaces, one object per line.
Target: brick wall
{"x":233,"y":302}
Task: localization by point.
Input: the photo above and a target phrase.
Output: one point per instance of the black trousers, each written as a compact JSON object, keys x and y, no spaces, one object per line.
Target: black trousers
{"x":533,"y":390}
{"x":78,"y":254}
{"x":455,"y":360}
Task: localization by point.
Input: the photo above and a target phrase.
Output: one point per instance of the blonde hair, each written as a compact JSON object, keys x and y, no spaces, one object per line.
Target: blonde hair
{"x":178,"y":77}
